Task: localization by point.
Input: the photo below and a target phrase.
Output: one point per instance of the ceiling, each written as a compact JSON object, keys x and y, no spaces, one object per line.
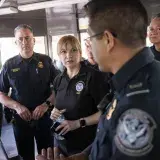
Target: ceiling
{"x":153,"y":6}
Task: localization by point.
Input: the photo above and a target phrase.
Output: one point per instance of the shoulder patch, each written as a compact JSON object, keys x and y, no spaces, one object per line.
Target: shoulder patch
{"x":135,"y":132}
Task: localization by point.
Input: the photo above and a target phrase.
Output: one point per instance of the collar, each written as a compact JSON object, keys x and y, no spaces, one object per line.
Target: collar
{"x":19,"y":58}
{"x":83,"y":71}
{"x":120,"y":79}
{"x":153,"y":48}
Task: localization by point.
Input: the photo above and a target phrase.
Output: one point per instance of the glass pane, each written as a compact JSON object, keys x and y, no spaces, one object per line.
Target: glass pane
{"x":83,"y":23}
{"x":83,"y":37}
{"x":148,"y":43}
{"x":9,"y":49}
{"x":39,"y":45}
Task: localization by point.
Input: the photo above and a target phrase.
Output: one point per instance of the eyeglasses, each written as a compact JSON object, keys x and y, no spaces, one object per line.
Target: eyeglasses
{"x":154,"y":29}
{"x":98,"y":34}
{"x":90,"y":38}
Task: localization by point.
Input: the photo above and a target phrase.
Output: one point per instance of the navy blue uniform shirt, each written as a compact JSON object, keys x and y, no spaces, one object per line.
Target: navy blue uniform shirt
{"x":156,"y":53}
{"x":29,"y":79}
{"x":87,"y":63}
{"x":129,"y":129}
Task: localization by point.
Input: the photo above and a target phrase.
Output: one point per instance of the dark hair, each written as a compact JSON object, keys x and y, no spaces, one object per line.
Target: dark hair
{"x":23,"y":26}
{"x":156,"y":16}
{"x":127,"y":19}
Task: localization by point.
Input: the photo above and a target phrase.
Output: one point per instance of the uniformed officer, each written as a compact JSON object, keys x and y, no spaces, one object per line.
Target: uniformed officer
{"x":154,"y":36}
{"x":92,"y":63}
{"x":78,"y":90}
{"x":90,"y":60}
{"x":129,"y":128}
{"x":29,"y":75}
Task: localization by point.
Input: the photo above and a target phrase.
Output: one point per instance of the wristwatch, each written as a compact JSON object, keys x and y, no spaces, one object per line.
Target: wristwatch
{"x":82,"y":122}
{"x":49,"y":104}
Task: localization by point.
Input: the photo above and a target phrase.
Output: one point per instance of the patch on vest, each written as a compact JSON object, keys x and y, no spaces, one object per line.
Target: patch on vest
{"x":135,"y":132}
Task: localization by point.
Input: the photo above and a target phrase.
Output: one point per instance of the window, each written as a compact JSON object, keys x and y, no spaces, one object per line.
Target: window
{"x":9,"y":49}
{"x":83,"y":37}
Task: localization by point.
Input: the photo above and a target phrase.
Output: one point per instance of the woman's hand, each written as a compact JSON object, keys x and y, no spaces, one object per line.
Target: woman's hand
{"x":56,"y":113}
{"x":67,"y":126}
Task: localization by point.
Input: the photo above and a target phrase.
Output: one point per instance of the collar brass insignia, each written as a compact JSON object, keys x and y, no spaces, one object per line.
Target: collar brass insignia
{"x":111,"y":109}
{"x":40,"y":65}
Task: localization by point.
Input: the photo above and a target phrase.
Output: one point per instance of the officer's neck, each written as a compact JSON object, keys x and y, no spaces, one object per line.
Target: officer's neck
{"x":157,"y":47}
{"x":124,"y":56}
{"x":71,"y":72}
{"x":26,"y":55}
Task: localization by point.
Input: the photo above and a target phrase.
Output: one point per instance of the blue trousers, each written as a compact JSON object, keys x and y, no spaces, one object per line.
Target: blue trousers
{"x":25,"y":132}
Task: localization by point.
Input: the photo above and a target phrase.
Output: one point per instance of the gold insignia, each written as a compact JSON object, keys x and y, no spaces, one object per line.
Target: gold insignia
{"x":15,"y":69}
{"x":40,"y":65}
{"x":111,"y":109}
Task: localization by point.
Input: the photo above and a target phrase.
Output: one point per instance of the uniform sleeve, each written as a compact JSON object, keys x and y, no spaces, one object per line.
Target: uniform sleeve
{"x":99,"y":86}
{"x":137,"y":133}
{"x":4,"y":81}
{"x":53,"y":71}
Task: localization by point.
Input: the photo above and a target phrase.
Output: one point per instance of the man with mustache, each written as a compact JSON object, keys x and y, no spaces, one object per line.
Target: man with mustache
{"x":29,"y":76}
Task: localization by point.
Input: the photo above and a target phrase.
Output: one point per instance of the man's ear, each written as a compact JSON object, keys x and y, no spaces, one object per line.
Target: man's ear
{"x":109,"y":40}
{"x":34,"y":40}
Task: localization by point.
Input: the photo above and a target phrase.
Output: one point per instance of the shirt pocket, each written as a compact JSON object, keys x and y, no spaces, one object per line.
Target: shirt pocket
{"x":16,"y":80}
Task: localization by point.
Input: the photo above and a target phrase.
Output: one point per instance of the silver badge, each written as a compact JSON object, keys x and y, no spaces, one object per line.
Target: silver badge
{"x":79,"y":86}
{"x":134,"y":133}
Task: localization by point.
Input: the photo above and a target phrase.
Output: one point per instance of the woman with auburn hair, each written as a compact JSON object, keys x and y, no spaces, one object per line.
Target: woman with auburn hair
{"x":78,"y":91}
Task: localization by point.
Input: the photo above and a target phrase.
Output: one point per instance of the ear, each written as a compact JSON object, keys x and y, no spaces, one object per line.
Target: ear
{"x":109,"y":40}
{"x":34,"y":40}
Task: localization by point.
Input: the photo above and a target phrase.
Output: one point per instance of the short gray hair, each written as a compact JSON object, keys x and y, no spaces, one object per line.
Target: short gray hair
{"x":23,"y":26}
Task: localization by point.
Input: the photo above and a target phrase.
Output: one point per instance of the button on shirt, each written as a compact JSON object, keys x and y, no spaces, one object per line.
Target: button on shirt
{"x":130,"y":128}
{"x":29,"y":79}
